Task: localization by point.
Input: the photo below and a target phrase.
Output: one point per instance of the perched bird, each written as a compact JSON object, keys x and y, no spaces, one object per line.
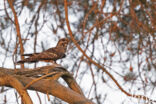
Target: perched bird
{"x":50,"y":55}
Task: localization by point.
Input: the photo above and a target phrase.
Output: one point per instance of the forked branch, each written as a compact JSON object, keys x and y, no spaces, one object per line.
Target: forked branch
{"x":44,"y":79}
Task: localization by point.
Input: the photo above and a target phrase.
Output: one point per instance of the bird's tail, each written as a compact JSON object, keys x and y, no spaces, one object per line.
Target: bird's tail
{"x":20,"y":62}
{"x":27,"y":60}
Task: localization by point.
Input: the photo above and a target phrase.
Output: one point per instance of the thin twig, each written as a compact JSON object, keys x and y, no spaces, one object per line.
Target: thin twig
{"x":95,"y":63}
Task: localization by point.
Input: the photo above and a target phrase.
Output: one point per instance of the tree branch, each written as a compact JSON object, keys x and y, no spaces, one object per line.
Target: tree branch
{"x":95,"y":63}
{"x":8,"y":80}
{"x":17,"y":30}
{"x":44,"y":79}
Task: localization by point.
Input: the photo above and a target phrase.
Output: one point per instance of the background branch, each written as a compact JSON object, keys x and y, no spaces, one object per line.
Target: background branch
{"x":17,"y":30}
{"x":95,"y":63}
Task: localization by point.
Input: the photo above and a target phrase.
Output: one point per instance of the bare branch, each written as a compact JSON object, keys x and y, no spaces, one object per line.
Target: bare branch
{"x":44,"y":79}
{"x":8,"y":80}
{"x":95,"y":63}
{"x":17,"y":30}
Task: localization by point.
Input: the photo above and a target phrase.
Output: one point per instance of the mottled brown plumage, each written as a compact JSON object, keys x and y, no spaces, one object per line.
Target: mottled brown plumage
{"x":52,"y":54}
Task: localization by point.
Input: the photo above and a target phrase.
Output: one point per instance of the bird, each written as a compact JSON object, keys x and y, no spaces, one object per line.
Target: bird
{"x":49,"y":55}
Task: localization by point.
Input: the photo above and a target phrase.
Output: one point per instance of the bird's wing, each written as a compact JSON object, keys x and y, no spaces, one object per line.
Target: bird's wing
{"x":40,"y":57}
{"x":59,"y":51}
{"x":54,"y":50}
{"x":46,"y":56}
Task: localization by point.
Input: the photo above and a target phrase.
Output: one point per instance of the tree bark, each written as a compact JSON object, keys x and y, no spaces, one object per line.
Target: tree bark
{"x":47,"y":84}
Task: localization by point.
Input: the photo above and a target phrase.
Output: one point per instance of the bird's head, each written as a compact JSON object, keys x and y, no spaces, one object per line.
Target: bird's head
{"x":63,"y":42}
